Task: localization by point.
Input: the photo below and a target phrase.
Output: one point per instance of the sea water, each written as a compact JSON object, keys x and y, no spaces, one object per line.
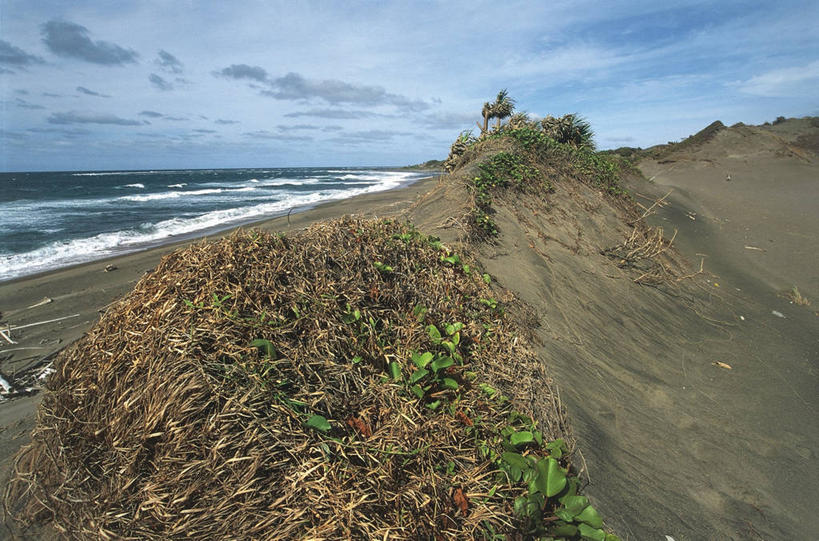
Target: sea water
{"x":52,"y":220}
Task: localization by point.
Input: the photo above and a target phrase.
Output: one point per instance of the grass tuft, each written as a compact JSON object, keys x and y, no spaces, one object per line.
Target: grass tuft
{"x":358,"y":380}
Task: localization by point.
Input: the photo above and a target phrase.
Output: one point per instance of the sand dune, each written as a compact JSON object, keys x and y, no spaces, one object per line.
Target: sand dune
{"x":694,"y":404}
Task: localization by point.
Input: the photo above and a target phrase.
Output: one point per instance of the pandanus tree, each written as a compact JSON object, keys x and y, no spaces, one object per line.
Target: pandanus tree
{"x":521,"y":120}
{"x":487,"y":113}
{"x":571,"y":129}
{"x":503,"y":107}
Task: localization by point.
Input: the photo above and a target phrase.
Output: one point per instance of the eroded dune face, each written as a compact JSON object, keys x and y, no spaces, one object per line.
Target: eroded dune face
{"x":694,"y":405}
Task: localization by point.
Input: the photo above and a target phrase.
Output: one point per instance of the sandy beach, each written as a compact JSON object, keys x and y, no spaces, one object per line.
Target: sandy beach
{"x":695,"y":406}
{"x":76,"y":296}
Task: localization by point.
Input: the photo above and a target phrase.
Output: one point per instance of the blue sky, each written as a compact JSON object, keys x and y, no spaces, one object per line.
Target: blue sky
{"x":184,"y":84}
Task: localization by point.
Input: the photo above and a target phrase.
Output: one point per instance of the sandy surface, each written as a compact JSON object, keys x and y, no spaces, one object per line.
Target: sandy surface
{"x":673,"y":442}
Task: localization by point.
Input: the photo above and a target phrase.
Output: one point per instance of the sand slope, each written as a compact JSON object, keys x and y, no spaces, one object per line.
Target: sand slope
{"x":674,"y":443}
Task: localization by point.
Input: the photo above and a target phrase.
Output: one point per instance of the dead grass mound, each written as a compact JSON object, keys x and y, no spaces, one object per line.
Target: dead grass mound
{"x":266,"y":387}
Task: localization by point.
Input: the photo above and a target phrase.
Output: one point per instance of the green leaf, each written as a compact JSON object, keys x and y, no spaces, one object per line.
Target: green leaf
{"x":440,"y":363}
{"x":486,"y":278}
{"x":520,"y":505}
{"x":418,"y":375}
{"x":595,"y":534}
{"x":515,"y":459}
{"x":550,"y":478}
{"x":466,"y":269}
{"x":434,"y":334}
{"x":382,"y":267}
{"x":450,"y":347}
{"x":456,"y":338}
{"x":564,"y":530}
{"x":488,"y":390}
{"x":538,"y":436}
{"x":612,"y":537}
{"x":564,"y":514}
{"x":571,"y":490}
{"x":417,"y":391}
{"x":318,"y":422}
{"x":452,"y":328}
{"x":421,"y":360}
{"x":419,"y":312}
{"x":557,"y":478}
{"x":357,"y":359}
{"x":450,"y":383}
{"x":556,"y":448}
{"x":434,"y":405}
{"x":520,"y":438}
{"x":264,"y":345}
{"x":590,"y":516}
{"x":575,"y":504}
{"x":395,"y":371}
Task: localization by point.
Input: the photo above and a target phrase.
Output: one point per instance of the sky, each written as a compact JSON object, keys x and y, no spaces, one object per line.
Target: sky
{"x":172,"y":84}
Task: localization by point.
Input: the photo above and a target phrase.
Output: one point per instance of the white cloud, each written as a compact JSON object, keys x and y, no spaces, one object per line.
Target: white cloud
{"x":795,"y":81}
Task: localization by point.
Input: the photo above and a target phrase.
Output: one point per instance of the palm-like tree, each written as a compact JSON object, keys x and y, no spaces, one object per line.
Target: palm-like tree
{"x":520,"y":120}
{"x":571,"y":129}
{"x":487,"y":113}
{"x":503,"y":107}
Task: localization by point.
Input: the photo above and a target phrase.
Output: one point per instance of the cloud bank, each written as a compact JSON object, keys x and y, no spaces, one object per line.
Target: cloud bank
{"x":15,"y":56}
{"x":71,"y":40}
{"x":74,"y":117}
{"x":294,"y":86}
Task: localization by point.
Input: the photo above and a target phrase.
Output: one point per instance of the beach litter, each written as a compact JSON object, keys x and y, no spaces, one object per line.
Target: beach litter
{"x":721,"y":364}
{"x":778,"y":314}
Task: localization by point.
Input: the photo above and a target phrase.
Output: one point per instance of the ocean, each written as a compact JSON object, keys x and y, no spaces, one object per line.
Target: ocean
{"x":52,"y":220}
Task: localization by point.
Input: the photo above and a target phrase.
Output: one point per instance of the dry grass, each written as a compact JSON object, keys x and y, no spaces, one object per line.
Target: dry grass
{"x":165,"y":423}
{"x":643,"y":251}
{"x":796,"y":297}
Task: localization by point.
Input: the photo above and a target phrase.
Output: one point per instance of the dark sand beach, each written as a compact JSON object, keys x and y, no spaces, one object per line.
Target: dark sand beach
{"x":694,"y":405}
{"x":82,"y":292}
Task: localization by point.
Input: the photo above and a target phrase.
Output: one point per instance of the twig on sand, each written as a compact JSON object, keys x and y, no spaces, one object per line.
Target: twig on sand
{"x":6,"y":334}
{"x":46,"y":300}
{"x":18,"y":327}
{"x":658,"y":202}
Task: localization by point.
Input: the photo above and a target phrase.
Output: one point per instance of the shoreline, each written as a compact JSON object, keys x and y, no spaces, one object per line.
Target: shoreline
{"x":213,"y":232}
{"x":77,"y":295}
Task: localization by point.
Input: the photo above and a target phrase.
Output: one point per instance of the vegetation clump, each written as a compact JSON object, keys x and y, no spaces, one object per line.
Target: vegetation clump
{"x":358,"y":380}
{"x":502,"y":170}
{"x":537,"y":151}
